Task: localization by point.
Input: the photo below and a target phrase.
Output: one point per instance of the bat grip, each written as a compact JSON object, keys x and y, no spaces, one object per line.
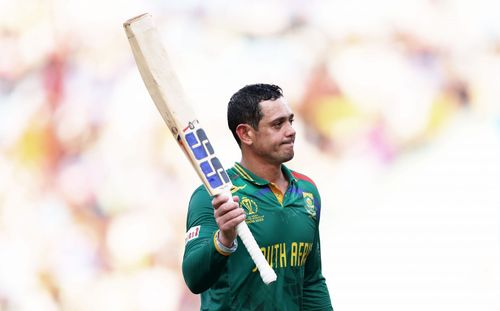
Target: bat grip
{"x":266,"y":272}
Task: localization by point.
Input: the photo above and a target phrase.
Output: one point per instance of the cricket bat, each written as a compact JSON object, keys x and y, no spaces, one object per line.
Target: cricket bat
{"x":166,"y":91}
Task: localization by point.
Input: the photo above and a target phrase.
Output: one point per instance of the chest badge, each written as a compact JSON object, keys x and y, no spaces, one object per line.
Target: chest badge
{"x":251,"y":209}
{"x":309,"y":203}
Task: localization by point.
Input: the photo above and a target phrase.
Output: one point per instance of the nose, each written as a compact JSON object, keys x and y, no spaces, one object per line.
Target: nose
{"x":290,"y":131}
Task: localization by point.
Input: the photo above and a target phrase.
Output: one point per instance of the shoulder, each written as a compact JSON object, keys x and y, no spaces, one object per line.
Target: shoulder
{"x":200,"y":196}
{"x":306,"y":184}
{"x":200,"y":206}
{"x":303,"y":178}
{"x":309,"y":190}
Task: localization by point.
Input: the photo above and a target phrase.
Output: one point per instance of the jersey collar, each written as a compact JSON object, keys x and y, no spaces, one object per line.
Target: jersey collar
{"x":251,"y":177}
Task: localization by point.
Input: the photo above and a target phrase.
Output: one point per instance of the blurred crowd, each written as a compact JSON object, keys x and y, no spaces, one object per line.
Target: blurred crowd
{"x":93,"y":190}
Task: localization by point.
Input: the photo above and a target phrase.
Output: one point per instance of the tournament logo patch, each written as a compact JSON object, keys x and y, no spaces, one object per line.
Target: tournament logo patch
{"x":251,"y":209}
{"x":192,"y":234}
{"x":309,"y":203}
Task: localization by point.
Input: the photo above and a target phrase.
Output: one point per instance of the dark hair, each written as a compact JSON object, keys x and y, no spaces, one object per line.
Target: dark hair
{"x":244,"y":108}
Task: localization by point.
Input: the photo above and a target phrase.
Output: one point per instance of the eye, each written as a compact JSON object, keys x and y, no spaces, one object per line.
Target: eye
{"x":278,"y":125}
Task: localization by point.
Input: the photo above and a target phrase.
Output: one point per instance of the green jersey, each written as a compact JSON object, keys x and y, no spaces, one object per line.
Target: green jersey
{"x":285,"y":227}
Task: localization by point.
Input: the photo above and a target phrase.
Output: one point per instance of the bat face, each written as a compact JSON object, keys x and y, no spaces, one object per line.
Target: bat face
{"x":166,"y":91}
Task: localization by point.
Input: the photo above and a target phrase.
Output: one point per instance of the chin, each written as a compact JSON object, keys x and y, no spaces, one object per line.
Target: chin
{"x":288,"y":157}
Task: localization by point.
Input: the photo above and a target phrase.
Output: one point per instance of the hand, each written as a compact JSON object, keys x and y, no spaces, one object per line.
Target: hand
{"x":228,"y":215}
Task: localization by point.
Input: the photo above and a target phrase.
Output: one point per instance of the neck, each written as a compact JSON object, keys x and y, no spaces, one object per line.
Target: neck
{"x":269,"y":171}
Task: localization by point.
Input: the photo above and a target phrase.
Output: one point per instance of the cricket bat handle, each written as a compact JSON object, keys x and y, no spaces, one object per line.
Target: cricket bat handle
{"x":266,"y":272}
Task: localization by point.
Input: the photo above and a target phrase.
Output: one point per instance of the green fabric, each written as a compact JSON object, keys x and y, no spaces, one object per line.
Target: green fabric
{"x":287,"y":234}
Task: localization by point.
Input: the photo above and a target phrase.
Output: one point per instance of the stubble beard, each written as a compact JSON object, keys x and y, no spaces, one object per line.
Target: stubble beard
{"x":277,"y":156}
{"x":285,"y":156}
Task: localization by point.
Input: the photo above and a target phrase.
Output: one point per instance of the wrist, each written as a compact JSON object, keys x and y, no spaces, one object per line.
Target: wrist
{"x":221,"y":247}
{"x":224,"y":240}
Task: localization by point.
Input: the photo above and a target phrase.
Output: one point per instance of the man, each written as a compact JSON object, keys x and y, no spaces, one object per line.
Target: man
{"x":280,"y":206}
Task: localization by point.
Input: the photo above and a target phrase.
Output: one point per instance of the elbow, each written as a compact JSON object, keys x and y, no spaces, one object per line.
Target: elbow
{"x":194,"y":287}
{"x":193,"y":280}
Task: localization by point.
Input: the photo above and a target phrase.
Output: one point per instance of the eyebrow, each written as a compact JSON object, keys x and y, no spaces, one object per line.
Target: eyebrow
{"x":283,"y":118}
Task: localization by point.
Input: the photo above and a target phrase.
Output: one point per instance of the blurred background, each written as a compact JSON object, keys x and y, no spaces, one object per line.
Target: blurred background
{"x":398,"y":121}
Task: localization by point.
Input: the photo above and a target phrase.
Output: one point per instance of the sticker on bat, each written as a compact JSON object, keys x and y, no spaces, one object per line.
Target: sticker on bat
{"x":191,"y":125}
{"x":214,"y":172}
{"x":204,"y":152}
{"x":199,"y":144}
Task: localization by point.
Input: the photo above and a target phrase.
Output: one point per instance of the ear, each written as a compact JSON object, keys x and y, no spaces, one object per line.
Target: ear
{"x":245,"y":133}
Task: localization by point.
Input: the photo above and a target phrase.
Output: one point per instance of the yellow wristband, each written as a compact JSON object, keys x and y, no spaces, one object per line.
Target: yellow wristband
{"x":221,"y":248}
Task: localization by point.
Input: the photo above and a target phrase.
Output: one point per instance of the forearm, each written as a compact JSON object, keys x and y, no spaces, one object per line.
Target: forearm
{"x":316,"y":296}
{"x":206,"y":254}
{"x":202,"y":265}
{"x":315,"y":292}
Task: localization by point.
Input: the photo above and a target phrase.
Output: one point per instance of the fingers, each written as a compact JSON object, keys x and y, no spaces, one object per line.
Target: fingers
{"x":222,"y":205}
{"x":225,"y":211}
{"x":227,"y":214}
{"x":229,"y":220}
{"x":221,"y":199}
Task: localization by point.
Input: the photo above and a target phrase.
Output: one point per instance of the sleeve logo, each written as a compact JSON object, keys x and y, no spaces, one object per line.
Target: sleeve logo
{"x":192,"y":234}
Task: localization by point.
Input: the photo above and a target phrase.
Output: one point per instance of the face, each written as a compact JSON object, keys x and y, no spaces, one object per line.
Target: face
{"x":275,"y":136}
